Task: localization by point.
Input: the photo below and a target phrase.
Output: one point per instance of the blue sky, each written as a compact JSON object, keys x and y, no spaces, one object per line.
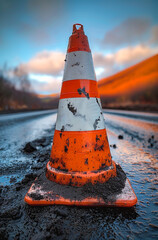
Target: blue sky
{"x":34,"y":36}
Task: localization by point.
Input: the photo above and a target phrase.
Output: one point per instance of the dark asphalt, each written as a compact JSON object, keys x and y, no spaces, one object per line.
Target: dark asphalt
{"x":134,"y":145}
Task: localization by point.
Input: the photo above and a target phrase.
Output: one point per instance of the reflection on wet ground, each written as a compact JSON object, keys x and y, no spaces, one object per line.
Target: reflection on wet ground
{"x":136,"y":151}
{"x":149,"y":117}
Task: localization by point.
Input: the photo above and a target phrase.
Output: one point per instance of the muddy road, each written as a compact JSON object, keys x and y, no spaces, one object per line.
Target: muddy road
{"x":25,"y":144}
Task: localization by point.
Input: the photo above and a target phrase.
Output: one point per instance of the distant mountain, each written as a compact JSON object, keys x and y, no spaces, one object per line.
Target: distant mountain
{"x":134,"y":88}
{"x":135,"y":85}
{"x":50,"y":100}
{"x":53,"y":95}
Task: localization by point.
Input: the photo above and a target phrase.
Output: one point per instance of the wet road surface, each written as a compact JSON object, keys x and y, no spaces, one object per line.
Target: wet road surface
{"x":15,"y":131}
{"x":137,"y":153}
{"x":133,"y":139}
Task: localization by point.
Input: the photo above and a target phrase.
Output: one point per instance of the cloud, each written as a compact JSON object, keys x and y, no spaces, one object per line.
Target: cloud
{"x":46,"y":85}
{"x":102,"y":60}
{"x":104,"y":64}
{"x":127,"y":32}
{"x":154,"y":34}
{"x":45,"y":62}
{"x":52,"y":62}
{"x":122,"y":58}
{"x":45,"y":69}
{"x":131,"y":55}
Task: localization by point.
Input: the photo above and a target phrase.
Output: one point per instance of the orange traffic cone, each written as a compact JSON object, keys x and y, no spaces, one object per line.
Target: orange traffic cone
{"x":80,"y":155}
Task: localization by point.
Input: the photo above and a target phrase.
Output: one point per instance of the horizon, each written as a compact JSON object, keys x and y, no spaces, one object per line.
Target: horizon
{"x":119,"y":40}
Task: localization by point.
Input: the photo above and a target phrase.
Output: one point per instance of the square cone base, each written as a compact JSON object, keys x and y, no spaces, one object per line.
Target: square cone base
{"x":46,"y":192}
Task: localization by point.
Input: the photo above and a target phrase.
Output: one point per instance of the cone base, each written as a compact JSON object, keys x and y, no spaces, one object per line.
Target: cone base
{"x":45,"y":192}
{"x":80,"y":178}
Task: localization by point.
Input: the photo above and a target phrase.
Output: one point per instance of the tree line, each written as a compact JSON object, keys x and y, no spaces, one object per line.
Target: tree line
{"x":13,"y":98}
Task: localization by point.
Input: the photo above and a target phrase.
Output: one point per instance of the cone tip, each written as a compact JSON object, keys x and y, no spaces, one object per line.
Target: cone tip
{"x":77,"y":27}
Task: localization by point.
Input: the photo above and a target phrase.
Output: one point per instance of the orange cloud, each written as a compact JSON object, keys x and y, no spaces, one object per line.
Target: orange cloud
{"x":123,"y":58}
{"x":46,"y":62}
{"x":131,"y":55}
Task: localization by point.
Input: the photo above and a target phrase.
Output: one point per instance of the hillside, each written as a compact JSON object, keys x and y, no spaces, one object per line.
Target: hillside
{"x":50,"y":96}
{"x":136,"y":84}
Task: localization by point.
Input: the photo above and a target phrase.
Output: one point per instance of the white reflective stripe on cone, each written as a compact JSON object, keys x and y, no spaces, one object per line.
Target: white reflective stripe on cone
{"x":80,"y":114}
{"x":79,"y":65}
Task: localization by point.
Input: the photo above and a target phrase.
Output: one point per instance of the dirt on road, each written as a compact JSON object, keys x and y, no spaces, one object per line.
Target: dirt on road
{"x":21,"y":221}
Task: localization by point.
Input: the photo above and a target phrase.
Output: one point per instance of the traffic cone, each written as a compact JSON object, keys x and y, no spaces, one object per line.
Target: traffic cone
{"x":80,"y":153}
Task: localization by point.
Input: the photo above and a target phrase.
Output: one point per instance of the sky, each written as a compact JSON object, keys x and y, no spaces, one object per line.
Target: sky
{"x":34,"y":36}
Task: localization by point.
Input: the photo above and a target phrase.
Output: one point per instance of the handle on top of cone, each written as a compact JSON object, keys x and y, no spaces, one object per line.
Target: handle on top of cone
{"x":80,"y":153}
